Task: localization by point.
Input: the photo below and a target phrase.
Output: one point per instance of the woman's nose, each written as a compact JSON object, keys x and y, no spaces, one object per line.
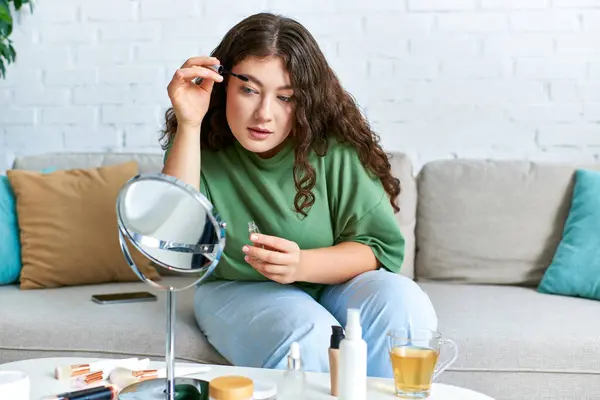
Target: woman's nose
{"x":264,"y":111}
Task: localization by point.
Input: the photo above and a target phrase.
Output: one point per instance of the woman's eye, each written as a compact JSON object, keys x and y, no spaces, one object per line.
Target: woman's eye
{"x":246,"y":89}
{"x":285,"y":98}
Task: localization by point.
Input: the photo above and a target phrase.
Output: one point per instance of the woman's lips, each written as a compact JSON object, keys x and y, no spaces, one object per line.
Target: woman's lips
{"x":259,"y":134}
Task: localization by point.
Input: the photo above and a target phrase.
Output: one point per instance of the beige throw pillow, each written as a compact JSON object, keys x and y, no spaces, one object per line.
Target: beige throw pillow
{"x":68,"y":224}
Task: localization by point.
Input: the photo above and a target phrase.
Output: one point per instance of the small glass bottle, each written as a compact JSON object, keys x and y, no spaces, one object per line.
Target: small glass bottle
{"x":292,"y":385}
{"x":252,"y":228}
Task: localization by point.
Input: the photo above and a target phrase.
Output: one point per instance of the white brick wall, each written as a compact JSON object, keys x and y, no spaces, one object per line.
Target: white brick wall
{"x":437,"y":78}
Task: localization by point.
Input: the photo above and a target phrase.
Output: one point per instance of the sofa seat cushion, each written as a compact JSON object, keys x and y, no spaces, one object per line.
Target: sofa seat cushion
{"x":517,"y":329}
{"x":66,"y":321}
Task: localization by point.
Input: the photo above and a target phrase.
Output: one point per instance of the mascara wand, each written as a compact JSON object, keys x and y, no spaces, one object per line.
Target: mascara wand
{"x":221,"y":70}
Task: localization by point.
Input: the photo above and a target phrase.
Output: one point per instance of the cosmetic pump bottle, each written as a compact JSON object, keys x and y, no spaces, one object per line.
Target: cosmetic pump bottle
{"x":353,"y":360}
{"x":292,"y":385}
{"x":337,"y":335}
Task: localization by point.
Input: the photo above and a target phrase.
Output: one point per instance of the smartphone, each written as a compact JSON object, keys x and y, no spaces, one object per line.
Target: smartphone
{"x":132,"y":297}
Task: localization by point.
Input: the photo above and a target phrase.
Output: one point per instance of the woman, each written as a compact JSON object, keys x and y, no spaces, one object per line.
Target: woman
{"x":278,"y":141}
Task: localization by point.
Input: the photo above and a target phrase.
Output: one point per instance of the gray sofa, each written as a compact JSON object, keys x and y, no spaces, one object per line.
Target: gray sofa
{"x":480,"y":234}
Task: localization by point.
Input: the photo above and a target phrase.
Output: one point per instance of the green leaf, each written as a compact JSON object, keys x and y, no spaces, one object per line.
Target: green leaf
{"x":5,"y":29}
{"x":8,"y":53}
{"x":5,"y":14}
{"x":21,"y":3}
{"x":4,"y":49}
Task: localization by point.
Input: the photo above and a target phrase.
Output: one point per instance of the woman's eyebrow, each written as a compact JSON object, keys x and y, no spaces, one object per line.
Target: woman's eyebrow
{"x":259,"y":83}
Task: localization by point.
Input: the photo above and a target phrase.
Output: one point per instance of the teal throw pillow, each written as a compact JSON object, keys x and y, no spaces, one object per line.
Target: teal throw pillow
{"x":575,"y":268}
{"x":10,"y":244}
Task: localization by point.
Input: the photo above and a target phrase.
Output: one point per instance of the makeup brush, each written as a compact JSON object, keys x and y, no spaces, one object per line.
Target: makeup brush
{"x":104,"y":392}
{"x":221,"y":70}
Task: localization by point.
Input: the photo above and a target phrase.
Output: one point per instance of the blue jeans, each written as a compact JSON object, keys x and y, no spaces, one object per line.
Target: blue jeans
{"x":253,"y":324}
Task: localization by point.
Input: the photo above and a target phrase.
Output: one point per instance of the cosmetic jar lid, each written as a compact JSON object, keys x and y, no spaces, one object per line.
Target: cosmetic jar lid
{"x":231,"y":388}
{"x":264,"y":391}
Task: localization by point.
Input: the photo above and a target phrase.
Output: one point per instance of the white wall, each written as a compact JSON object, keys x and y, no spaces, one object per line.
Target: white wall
{"x":438,"y":78}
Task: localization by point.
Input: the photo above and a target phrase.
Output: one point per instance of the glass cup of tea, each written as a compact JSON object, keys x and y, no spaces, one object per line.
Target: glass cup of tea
{"x":416,"y":362}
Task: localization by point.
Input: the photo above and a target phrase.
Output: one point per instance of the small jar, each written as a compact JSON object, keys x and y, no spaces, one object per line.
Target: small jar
{"x":231,"y":388}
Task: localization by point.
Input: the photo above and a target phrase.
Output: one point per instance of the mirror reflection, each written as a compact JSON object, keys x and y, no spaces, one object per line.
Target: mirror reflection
{"x":173,"y":225}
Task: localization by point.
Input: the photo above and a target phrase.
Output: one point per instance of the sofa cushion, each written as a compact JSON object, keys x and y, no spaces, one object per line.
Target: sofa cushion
{"x":517,"y":329}
{"x":495,"y":222}
{"x":10,"y":246}
{"x":10,"y":243}
{"x":575,"y":269}
{"x":67,"y":322}
{"x":68,"y":226}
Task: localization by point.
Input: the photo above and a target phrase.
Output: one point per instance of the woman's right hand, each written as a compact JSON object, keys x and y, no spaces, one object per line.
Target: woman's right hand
{"x":190,"y":101}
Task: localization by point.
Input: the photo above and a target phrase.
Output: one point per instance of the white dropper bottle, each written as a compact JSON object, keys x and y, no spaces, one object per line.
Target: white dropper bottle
{"x":353,"y":360}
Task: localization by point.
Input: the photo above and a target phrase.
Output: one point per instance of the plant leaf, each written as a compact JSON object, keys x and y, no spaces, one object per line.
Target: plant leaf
{"x":21,"y":3}
{"x":2,"y":69}
{"x":5,"y":29}
{"x":5,"y":14}
{"x":8,"y":53}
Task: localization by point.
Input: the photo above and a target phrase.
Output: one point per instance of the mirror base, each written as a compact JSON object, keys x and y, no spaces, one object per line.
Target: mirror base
{"x":155,"y":389}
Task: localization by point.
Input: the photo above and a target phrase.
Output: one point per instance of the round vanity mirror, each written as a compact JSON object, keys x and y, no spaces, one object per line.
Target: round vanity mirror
{"x":174,"y":226}
{"x":177,"y":231}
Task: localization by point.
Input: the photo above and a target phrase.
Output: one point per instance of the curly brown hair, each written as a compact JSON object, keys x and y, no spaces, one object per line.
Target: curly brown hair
{"x":322,"y":107}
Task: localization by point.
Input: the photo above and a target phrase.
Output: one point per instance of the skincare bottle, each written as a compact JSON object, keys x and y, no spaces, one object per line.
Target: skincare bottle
{"x":353,"y":360}
{"x":337,"y":335}
{"x":252,"y":228}
{"x":292,"y":385}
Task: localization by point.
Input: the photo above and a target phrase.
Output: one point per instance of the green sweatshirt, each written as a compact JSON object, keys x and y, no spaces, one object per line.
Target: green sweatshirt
{"x":350,"y":205}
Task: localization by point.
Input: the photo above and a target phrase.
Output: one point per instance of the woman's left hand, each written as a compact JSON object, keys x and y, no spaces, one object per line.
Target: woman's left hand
{"x":276,"y":258}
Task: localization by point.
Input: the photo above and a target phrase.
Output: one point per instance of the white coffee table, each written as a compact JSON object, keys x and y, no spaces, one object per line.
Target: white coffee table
{"x":41,"y":375}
